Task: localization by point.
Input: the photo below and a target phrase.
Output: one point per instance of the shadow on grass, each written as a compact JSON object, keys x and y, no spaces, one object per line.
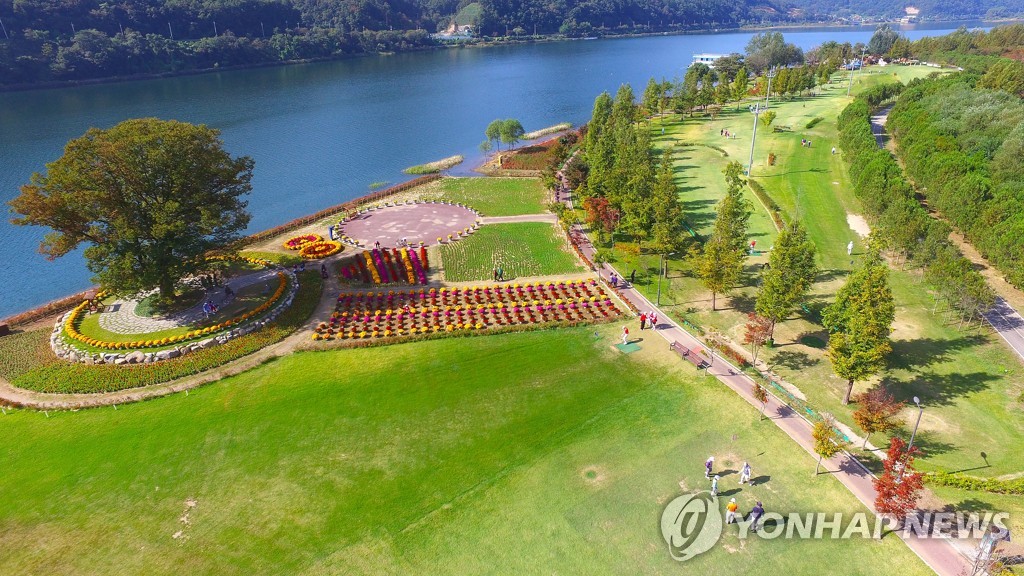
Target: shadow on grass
{"x":793,"y":360}
{"x":924,"y":352}
{"x":939,"y":389}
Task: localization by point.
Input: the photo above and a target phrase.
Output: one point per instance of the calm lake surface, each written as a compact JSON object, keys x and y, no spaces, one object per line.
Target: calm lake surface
{"x":321,"y":133}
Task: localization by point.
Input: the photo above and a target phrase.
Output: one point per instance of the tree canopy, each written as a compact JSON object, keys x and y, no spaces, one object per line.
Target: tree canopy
{"x":149,"y":197}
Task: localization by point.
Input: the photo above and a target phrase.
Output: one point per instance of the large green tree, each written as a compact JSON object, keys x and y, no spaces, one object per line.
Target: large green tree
{"x":667,"y":231}
{"x":720,"y":264}
{"x":150,"y":198}
{"x":859,"y":323}
{"x":791,"y":270}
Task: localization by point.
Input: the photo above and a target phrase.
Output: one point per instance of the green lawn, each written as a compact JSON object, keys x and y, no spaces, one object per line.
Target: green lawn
{"x":495,"y":196}
{"x":969,"y":381}
{"x":413,"y":459}
{"x":520,"y":248}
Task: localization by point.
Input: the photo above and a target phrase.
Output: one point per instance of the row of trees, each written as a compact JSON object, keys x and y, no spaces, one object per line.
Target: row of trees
{"x":900,"y":224}
{"x":963,"y":145}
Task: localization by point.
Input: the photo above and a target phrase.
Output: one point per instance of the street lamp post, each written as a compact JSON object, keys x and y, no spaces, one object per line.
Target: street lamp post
{"x":854,"y":71}
{"x":661,"y":274}
{"x":770,"y":74}
{"x":920,"y":411}
{"x":756,"y":110}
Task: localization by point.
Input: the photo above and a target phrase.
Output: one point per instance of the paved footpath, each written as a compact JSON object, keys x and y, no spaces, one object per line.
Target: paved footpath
{"x":1002,"y":316}
{"x":940,"y":555}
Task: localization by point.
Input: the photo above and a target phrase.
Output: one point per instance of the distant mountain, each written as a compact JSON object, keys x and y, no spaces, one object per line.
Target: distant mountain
{"x":922,"y":9}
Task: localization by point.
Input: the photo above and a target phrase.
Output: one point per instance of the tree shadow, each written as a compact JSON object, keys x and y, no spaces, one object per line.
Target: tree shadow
{"x":830,"y":275}
{"x":924,"y":352}
{"x":939,"y":389}
{"x":730,"y":492}
{"x":793,"y":360}
{"x":743,"y":302}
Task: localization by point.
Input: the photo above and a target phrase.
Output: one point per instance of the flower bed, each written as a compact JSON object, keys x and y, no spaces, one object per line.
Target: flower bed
{"x":387,"y":266}
{"x":369,"y":315}
{"x":66,"y":377}
{"x":300,"y":242}
{"x":319,"y":249}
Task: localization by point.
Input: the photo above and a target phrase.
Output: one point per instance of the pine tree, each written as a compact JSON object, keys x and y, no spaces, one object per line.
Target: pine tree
{"x":740,"y":85}
{"x":720,"y":264}
{"x":791,"y":271}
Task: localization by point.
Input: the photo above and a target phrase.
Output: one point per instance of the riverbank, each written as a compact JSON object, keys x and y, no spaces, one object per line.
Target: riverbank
{"x":488,"y":42}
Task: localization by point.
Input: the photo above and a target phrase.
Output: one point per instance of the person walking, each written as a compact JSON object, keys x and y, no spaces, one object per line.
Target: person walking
{"x":755,"y":516}
{"x":632,"y":277}
{"x":730,"y":510}
{"x":833,"y":150}
{"x":614,"y":280}
{"x":643,"y":320}
{"x":494,"y":274}
{"x":849,"y":248}
{"x":714,"y":485}
{"x":745,"y":473}
{"x":625,"y":335}
{"x":652,"y":319}
{"x":708,"y":464}
{"x":501,"y":274}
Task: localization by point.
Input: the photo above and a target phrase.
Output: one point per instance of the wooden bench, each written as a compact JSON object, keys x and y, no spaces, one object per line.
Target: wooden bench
{"x":689,"y":355}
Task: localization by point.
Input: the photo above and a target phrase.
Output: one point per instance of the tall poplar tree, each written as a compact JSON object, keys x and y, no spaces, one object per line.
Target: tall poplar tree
{"x":720,"y":264}
{"x":667,"y":231}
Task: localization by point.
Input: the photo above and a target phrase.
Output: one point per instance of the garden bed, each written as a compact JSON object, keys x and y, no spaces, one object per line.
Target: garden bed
{"x":521,"y":249}
{"x":375,"y":315}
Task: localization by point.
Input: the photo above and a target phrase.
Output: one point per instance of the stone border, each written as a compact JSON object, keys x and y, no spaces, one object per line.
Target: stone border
{"x":369,"y":210}
{"x":66,"y":351}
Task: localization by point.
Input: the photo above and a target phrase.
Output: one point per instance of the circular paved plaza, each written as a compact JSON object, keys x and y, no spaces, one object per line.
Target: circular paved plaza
{"x":414,"y":222}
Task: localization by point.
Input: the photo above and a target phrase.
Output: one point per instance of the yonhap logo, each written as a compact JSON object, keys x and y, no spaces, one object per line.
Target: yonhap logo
{"x":691,"y":524}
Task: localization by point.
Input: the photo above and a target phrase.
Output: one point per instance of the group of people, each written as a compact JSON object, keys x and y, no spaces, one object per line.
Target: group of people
{"x":732,"y":509}
{"x":498,"y":274}
{"x":649,"y":320}
{"x":614,"y":280}
{"x":806,"y":143}
{"x":725,"y":133}
{"x":209,"y":308}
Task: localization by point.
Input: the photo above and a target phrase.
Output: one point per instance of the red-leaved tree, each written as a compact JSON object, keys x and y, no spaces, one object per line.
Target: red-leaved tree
{"x":876,"y":412}
{"x":756,"y":332}
{"x":601,"y":215}
{"x":899,"y":486}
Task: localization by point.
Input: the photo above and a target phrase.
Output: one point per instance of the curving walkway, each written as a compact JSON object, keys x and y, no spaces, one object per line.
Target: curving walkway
{"x":120,"y":317}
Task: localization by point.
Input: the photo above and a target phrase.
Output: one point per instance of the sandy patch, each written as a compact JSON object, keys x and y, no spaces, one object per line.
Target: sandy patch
{"x":858,"y":224}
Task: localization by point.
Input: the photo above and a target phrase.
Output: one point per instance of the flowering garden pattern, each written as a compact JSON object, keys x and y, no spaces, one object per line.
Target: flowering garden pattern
{"x":299,"y":242}
{"x":372,"y":315}
{"x":73,"y":318}
{"x":387,"y":266}
{"x":319,"y":249}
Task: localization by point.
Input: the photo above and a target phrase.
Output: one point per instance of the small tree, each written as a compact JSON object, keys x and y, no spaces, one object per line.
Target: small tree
{"x":761,"y":395}
{"x":511,"y":132}
{"x":827,"y":441}
{"x":493,"y":132}
{"x":601,"y":215}
{"x":876,"y":412}
{"x":756,"y":332}
{"x":768,"y":117}
{"x":899,"y":485}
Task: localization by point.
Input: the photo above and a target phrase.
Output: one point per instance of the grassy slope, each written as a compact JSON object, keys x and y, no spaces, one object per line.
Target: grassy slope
{"x":968,"y":381}
{"x":411,"y":459}
{"x":521,"y":248}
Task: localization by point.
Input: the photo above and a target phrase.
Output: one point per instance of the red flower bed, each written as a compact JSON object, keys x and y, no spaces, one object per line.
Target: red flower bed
{"x":366,"y":315}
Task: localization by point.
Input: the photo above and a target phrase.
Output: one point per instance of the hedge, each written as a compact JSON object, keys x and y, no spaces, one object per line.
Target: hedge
{"x":974,"y":483}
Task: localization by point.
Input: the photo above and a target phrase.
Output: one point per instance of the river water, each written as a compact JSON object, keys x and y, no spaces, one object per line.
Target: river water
{"x":322,"y":133}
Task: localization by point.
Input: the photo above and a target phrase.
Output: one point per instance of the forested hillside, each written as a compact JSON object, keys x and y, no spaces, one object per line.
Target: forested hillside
{"x":928,"y":9}
{"x":59,"y":40}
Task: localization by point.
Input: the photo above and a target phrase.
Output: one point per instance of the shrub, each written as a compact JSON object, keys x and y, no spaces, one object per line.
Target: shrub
{"x":813,"y":122}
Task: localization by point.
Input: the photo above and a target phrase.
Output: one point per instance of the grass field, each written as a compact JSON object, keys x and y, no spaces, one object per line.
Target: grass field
{"x":968,"y":381}
{"x":413,"y":459}
{"x":520,"y":248}
{"x":492,"y":196}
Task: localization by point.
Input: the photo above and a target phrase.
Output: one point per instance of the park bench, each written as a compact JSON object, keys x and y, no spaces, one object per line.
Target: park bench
{"x":688,"y":355}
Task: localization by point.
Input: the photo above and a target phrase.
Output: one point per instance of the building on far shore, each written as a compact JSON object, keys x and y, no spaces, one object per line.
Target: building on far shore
{"x":706,"y":58}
